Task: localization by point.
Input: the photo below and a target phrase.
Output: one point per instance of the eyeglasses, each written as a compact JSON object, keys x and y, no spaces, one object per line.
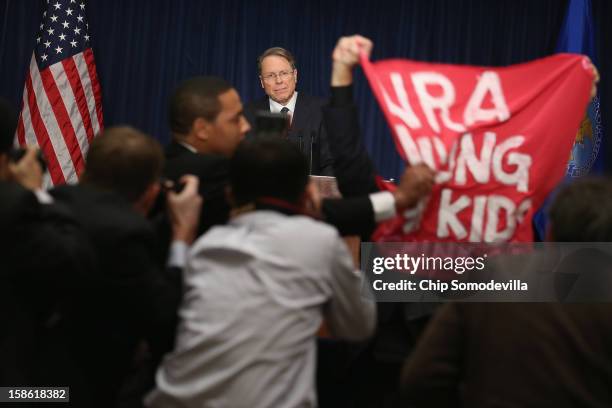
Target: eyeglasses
{"x":271,"y":77}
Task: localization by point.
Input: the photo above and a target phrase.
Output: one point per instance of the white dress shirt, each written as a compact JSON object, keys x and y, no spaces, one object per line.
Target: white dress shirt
{"x":276,"y":107}
{"x":256,"y":292}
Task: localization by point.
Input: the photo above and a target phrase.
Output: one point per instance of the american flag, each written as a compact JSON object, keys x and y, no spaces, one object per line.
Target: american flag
{"x":62,"y":106}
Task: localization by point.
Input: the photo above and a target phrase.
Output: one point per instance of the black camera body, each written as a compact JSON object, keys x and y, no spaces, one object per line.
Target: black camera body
{"x":169,"y":185}
{"x":16,"y":154}
{"x":271,"y":124}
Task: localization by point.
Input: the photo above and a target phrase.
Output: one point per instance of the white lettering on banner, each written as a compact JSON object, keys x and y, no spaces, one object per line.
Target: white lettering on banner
{"x":520,"y":177}
{"x":488,"y":82}
{"x":490,"y":161}
{"x":403,"y":110}
{"x":426,"y":151}
{"x":480,"y":168}
{"x":442,"y":176}
{"x":410,"y":148}
{"x":447,"y":215}
{"x":483,"y":167}
{"x":492,"y":217}
{"x":496,"y":206}
{"x":429,"y":103}
{"x":478,"y":219}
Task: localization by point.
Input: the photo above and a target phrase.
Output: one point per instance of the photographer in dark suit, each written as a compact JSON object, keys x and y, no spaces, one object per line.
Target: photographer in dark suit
{"x":130,"y":295}
{"x":42,"y":249}
{"x":278,"y":77}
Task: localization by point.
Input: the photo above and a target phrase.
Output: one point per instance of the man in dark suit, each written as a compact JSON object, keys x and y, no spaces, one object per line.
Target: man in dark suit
{"x":129,"y":295}
{"x":278,"y":77}
{"x":41,"y":249}
{"x":207,"y":124}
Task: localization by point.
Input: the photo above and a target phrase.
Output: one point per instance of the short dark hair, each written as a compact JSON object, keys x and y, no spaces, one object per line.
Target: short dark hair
{"x":124,"y":160}
{"x":8,"y":125}
{"x":582,"y":212}
{"x":194,"y":98}
{"x":277,"y":51}
{"x":265,"y":166}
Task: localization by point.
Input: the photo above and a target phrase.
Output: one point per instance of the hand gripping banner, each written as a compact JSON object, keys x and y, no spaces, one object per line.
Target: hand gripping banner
{"x":498,"y":138}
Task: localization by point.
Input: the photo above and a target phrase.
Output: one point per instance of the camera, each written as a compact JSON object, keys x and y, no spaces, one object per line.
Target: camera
{"x":16,"y":154}
{"x":271,"y":124}
{"x":169,"y":185}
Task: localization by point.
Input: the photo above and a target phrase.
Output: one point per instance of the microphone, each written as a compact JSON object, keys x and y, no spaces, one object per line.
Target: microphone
{"x":313,"y":135}
{"x":301,"y":141}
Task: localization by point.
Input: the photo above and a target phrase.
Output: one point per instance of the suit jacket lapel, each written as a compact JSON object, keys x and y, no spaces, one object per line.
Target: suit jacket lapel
{"x":299,"y":114}
{"x":175,"y":149}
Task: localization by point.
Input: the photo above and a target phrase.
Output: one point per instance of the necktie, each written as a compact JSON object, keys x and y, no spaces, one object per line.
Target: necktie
{"x":285,"y":110}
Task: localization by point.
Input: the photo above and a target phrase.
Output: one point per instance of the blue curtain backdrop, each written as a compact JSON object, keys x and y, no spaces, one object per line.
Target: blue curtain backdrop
{"x":143,"y":48}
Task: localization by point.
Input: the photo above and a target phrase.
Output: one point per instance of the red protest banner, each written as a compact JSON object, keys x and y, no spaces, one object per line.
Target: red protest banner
{"x":499,"y":139}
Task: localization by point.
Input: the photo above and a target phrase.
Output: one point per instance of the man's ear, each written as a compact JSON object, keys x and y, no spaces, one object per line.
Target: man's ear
{"x":261,"y":82}
{"x":201,"y":129}
{"x":295,"y":73}
{"x":144,"y":204}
